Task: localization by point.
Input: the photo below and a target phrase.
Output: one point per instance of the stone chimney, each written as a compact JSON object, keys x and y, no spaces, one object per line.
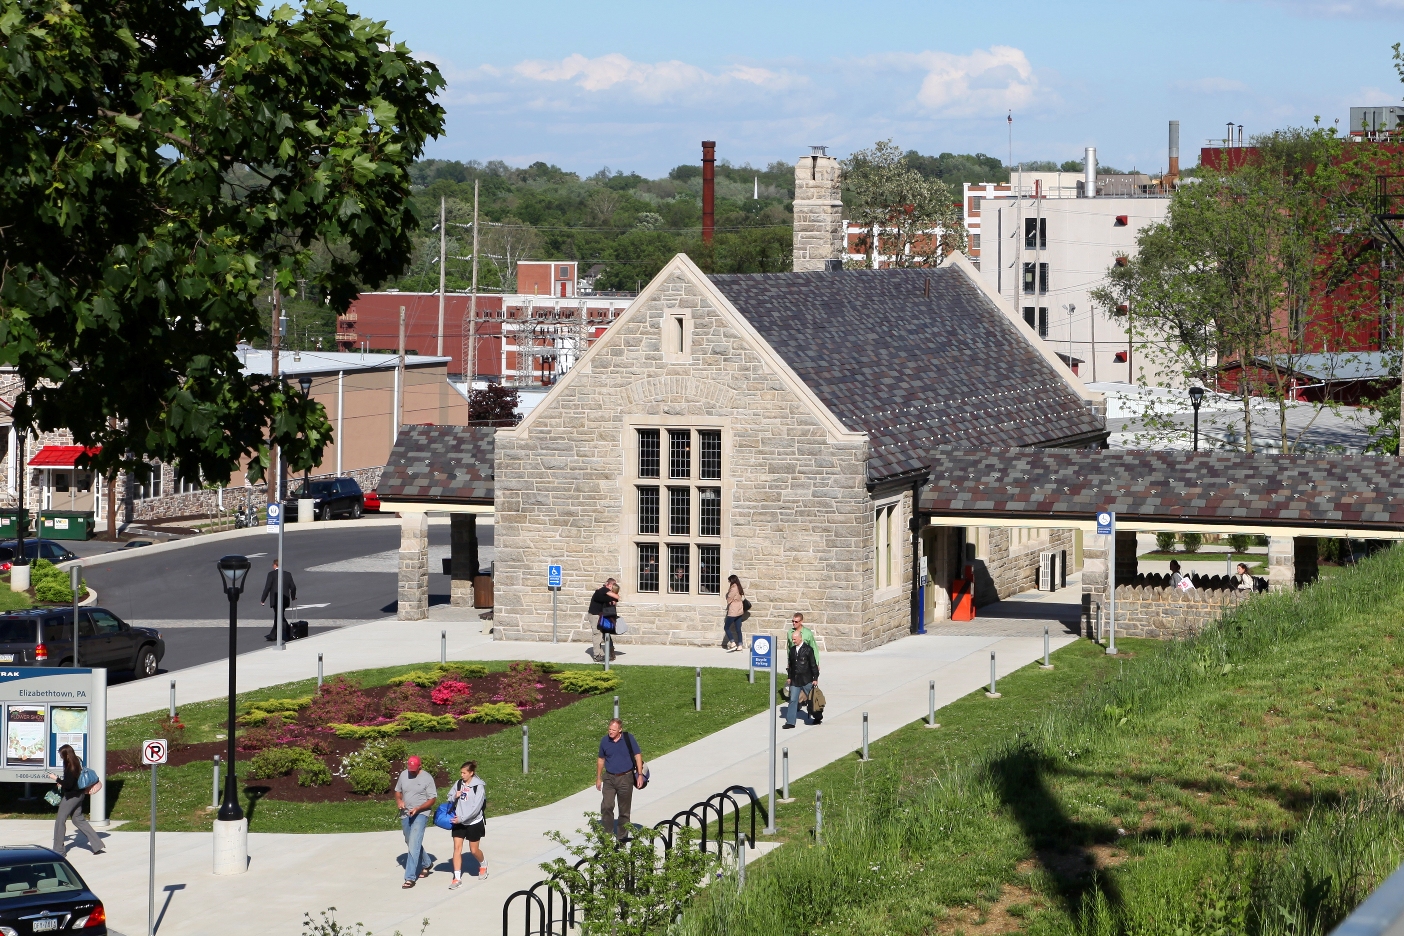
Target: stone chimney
{"x":818,"y":212}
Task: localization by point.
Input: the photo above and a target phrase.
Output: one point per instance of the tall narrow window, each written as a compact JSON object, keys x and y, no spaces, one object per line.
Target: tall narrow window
{"x":679,"y":569}
{"x":887,"y":546}
{"x":648,"y":453}
{"x":679,"y":453}
{"x":678,"y":334}
{"x":710,"y":442}
{"x":648,"y":567}
{"x":1043,"y":277}
{"x":1042,"y":233}
{"x":1043,"y":321}
{"x":1029,"y":316}
{"x":709,"y":570}
{"x":648,"y":511}
{"x":1029,"y":278}
{"x":709,"y":516}
{"x":679,"y":511}
{"x":1030,"y":233}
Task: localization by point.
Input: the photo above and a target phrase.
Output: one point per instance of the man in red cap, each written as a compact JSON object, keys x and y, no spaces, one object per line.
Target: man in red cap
{"x":415,"y":794}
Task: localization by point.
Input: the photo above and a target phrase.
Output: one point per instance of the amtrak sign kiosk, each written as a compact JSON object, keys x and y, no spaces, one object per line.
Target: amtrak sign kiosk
{"x":41,"y":710}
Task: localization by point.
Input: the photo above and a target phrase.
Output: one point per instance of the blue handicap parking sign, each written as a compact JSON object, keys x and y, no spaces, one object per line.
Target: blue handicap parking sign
{"x":1106,"y":522}
{"x":553,"y":576}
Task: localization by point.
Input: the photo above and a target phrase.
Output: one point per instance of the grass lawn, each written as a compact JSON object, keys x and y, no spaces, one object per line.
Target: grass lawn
{"x":1257,"y":562}
{"x":13,"y":600}
{"x":655,"y":702}
{"x":1248,"y":780}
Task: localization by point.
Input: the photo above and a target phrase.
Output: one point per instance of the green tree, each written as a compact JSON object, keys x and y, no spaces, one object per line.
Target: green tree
{"x":161,"y":166}
{"x":915,"y":220}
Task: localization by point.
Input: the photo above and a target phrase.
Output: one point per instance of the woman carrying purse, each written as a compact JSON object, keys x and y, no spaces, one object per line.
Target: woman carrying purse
{"x":72,"y":790}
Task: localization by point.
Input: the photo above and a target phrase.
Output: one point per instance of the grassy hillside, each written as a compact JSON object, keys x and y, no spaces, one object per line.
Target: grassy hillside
{"x":1247,"y":780}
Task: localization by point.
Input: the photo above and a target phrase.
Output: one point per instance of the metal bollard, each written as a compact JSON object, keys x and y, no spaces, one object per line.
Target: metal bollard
{"x":1046,"y":664}
{"x":993,"y":692}
{"x":443,"y":646}
{"x":616,"y":707}
{"x":173,"y":712}
{"x":319,"y":671}
{"x":608,"y":650}
{"x":931,"y":705}
{"x":740,"y":863}
{"x":525,"y":748}
{"x":750,"y":666}
{"x":214,"y":789}
{"x":698,"y":693}
{"x":1099,"y":621}
{"x":865,"y":736}
{"x":818,"y":817}
{"x":785,"y":776}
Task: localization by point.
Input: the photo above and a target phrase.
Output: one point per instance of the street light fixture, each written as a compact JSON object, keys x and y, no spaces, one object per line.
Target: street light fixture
{"x":1196,"y":397}
{"x":233,"y":570}
{"x":305,"y":382}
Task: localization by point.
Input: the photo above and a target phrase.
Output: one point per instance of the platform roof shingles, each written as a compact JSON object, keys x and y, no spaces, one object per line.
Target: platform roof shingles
{"x":916,"y":359}
{"x":452,"y":464}
{"x":1282,"y":490}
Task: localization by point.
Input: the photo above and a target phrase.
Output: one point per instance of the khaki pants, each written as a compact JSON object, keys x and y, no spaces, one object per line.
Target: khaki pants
{"x":620,"y":787}
{"x":599,"y":636}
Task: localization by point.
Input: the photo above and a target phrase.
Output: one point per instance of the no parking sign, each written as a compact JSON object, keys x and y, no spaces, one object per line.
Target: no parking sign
{"x":154,"y":752}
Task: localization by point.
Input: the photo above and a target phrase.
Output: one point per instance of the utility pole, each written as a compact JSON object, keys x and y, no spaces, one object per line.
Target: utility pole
{"x":399,"y":382}
{"x":471,"y":358}
{"x":274,"y":495}
{"x":443,"y":259}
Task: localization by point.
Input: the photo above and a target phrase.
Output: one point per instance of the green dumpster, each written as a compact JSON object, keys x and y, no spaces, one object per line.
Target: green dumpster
{"x":9,"y":523}
{"x":68,"y":524}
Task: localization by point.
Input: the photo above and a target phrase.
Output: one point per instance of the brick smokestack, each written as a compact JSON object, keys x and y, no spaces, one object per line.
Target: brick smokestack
{"x":709,"y":189}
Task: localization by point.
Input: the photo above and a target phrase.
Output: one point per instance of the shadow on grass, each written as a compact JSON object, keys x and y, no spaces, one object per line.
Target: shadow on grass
{"x":253,"y":795}
{"x":1062,"y":846}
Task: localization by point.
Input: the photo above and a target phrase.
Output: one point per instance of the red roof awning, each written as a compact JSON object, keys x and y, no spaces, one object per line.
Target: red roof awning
{"x":60,"y":456}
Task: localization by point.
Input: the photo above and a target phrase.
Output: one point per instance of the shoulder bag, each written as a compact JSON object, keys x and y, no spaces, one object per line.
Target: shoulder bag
{"x":633,"y":747}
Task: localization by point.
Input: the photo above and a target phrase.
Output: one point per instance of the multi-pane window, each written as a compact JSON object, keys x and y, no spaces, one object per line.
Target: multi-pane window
{"x":679,"y":528}
{"x":710,"y":443}
{"x":709,"y":512}
{"x":679,"y":568}
{"x":648,"y":567}
{"x":1043,"y":278}
{"x":648,"y":511}
{"x":1029,"y":278}
{"x":887,"y":546}
{"x":1043,"y":321}
{"x":679,"y":511}
{"x":709,"y":570}
{"x":679,"y":453}
{"x":1035,"y":233}
{"x":648,"y":453}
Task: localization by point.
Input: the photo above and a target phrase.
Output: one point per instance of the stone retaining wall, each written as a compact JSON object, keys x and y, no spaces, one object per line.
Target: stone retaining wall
{"x":1148,"y":611}
{"x":205,"y":502}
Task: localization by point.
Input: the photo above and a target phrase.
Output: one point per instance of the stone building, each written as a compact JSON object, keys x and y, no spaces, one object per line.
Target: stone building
{"x":776,"y":427}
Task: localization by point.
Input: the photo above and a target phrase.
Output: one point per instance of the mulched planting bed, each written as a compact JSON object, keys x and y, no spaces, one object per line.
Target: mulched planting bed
{"x":376,"y":705}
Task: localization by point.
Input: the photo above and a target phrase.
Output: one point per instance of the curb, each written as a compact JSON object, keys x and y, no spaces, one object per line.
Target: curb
{"x":117,"y":555}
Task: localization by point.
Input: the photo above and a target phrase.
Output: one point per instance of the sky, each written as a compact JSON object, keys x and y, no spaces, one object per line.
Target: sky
{"x":636,"y":86}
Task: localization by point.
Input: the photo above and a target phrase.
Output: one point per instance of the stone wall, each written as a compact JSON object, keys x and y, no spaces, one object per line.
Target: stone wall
{"x":797,"y":516}
{"x":1168,"y":612}
{"x":1010,"y":569}
{"x":205,"y":501}
{"x":818,"y":213}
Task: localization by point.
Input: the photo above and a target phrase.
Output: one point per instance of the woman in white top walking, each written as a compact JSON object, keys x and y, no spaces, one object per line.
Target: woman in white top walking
{"x":469,"y":796}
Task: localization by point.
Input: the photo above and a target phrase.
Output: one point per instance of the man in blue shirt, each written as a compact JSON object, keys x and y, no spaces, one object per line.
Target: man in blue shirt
{"x":618,"y":771}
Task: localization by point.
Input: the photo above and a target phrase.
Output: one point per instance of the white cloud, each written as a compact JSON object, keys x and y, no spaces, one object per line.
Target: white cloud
{"x":651,"y":80}
{"x":1212,"y":85}
{"x":997,"y":78}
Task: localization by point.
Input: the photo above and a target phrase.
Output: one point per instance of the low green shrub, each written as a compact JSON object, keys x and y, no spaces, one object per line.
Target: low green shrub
{"x":279,"y":706}
{"x":368,"y":781}
{"x":1239,"y":542}
{"x":53,"y":590}
{"x":420,"y":721}
{"x":1165,"y":542}
{"x":463,"y":671}
{"x":367,"y":732}
{"x":587,"y":682}
{"x":281,"y":761}
{"x":368,"y":770}
{"x":429,"y":678}
{"x":318,"y":775}
{"x":1192,"y":541}
{"x":495,"y":713}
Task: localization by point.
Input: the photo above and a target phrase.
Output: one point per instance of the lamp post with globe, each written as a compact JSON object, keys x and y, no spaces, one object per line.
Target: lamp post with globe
{"x":231,"y":831}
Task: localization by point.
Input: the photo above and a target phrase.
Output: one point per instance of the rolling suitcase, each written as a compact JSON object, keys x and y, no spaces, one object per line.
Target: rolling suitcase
{"x":299,"y":630}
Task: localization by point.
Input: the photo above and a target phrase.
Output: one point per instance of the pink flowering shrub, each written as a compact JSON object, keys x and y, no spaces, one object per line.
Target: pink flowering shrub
{"x":274,"y":733}
{"x":405,"y":698}
{"x":521,"y":686}
{"x":450,"y":690}
{"x":341,"y":701}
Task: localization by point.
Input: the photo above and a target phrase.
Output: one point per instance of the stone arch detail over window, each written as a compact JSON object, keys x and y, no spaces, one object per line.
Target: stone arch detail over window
{"x":688,"y":389}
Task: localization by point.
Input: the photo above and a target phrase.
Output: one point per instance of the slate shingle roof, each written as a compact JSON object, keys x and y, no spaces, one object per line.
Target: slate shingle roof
{"x":452,"y":464}
{"x":1356,"y":491}
{"x":914,"y":358}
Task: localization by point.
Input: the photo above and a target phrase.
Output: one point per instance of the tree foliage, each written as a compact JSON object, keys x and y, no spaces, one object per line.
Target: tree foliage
{"x":913,"y":219}
{"x":162,"y":165}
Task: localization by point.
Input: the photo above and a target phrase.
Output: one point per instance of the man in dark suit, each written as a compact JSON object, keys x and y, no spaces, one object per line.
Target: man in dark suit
{"x":270,"y":588}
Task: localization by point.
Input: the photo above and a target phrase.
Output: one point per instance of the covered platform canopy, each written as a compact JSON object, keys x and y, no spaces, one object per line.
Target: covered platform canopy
{"x":1355,"y":496}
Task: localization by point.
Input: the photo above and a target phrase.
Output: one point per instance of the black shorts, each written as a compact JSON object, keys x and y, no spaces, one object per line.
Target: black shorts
{"x":472,"y":832}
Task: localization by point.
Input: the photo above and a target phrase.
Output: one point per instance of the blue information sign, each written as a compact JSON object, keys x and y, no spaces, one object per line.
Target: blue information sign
{"x":1106,"y":523}
{"x":761,"y":650}
{"x":275,"y":516}
{"x":553,"y":576}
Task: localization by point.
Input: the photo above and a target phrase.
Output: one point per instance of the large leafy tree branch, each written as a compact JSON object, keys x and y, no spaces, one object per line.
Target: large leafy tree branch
{"x":161,"y":165}
{"x":914,"y":220}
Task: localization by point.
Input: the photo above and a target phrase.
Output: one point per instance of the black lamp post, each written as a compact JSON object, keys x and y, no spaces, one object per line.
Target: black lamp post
{"x":232,"y":572}
{"x":1196,"y":397}
{"x":305,"y":382}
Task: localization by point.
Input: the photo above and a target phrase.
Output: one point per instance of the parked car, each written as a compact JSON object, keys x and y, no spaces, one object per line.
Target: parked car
{"x":40,"y":892}
{"x":331,"y":497}
{"x":34,"y":549}
{"x":371,"y":502}
{"x":136,"y":544}
{"x":44,"y":637}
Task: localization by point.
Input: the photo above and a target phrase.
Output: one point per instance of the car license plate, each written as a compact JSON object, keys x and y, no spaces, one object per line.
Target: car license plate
{"x":44,"y":926}
{"x":7,"y":658}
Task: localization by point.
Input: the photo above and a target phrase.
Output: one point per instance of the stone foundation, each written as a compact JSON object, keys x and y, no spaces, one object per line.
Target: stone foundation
{"x":1168,"y":612}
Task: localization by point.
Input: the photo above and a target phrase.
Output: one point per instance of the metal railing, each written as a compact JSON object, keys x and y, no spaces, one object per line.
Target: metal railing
{"x":548,"y":909}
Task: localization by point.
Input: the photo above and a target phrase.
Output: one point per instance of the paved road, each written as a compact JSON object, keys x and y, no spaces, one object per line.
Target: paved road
{"x":343,"y":574}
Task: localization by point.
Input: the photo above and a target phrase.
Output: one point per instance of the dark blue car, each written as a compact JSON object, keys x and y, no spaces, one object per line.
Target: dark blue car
{"x":40,"y":892}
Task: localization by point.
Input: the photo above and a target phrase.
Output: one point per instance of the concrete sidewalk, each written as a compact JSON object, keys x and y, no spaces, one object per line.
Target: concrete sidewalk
{"x":290,"y":875}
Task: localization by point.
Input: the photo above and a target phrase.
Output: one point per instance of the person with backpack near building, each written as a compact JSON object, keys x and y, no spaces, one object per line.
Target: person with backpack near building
{"x":469,"y":799}
{"x":736,"y":608}
{"x":802,"y":672}
{"x":604,"y":610}
{"x":415,"y":794}
{"x":77,"y":782}
{"x":619,"y":769}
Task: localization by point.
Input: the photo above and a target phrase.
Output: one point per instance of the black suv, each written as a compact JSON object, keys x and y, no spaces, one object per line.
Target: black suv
{"x":34,"y":549}
{"x":44,"y":637}
{"x":331,"y":497}
{"x":40,"y":892}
